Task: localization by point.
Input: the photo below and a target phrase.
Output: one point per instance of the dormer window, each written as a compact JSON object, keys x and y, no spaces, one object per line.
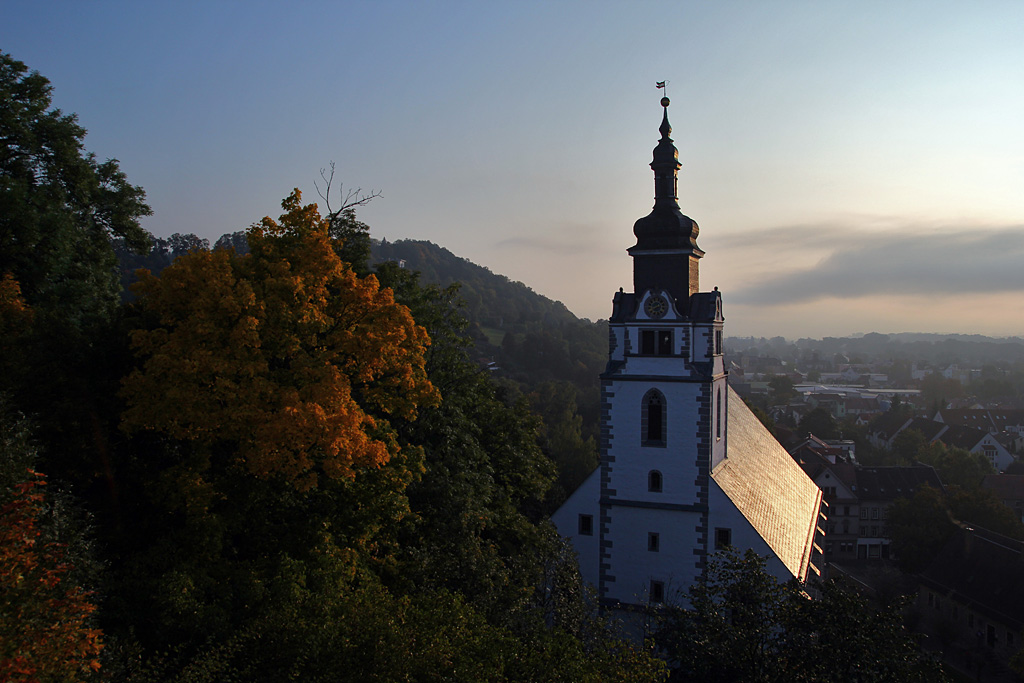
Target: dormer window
{"x":656,"y":342}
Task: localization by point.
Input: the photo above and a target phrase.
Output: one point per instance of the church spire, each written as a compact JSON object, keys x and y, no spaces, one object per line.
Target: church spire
{"x":666,"y":163}
{"x":666,"y":252}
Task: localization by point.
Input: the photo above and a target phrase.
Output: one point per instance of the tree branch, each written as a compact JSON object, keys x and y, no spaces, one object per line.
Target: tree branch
{"x":349,"y":199}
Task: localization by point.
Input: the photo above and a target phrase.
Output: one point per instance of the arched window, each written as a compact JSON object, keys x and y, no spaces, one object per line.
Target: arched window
{"x":654,"y":481}
{"x":718,"y":414}
{"x":652,"y":419}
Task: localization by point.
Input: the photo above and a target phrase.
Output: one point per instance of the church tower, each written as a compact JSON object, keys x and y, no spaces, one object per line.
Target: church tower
{"x":686,"y":468}
{"x":664,"y":402}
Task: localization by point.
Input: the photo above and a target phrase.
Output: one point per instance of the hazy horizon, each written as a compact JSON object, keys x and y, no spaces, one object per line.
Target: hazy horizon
{"x":851,"y":167}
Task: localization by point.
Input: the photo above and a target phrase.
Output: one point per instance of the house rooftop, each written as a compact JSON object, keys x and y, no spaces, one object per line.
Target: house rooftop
{"x":899,"y":481}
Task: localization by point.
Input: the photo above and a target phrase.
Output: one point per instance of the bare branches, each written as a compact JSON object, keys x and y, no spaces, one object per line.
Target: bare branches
{"x":349,"y":198}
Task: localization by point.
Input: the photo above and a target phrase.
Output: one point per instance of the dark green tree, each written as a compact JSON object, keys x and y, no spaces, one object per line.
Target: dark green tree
{"x":741,"y":625}
{"x":820,"y":423}
{"x":782,"y":389}
{"x":59,"y":206}
{"x":955,"y":466}
{"x":59,"y":209}
{"x":981,"y":507}
{"x":919,"y":526}
{"x":562,"y":434}
{"x":907,"y":444}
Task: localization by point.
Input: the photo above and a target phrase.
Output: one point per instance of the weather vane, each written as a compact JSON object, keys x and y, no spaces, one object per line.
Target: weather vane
{"x":661,"y":86}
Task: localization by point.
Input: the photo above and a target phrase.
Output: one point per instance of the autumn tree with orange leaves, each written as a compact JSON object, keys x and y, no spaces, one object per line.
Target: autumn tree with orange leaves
{"x":46,"y":616}
{"x":283,"y":351}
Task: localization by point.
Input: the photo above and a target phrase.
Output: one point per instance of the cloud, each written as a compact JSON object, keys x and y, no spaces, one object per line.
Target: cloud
{"x":552,"y":246}
{"x":907,"y":259}
{"x":564,"y":240}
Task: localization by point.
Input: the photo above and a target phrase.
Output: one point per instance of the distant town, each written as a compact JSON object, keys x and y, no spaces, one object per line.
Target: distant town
{"x":915,"y":441}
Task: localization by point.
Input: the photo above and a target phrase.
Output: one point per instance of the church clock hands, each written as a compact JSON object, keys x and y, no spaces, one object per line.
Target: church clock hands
{"x":656,"y":306}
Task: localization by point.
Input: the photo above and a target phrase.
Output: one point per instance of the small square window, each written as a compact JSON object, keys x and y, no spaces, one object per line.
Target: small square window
{"x":586,"y":525}
{"x":653,"y":542}
{"x":656,"y":342}
{"x":657,"y":591}
{"x":723,"y":538}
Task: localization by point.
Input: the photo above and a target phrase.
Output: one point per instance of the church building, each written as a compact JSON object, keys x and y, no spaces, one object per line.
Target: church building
{"x":686,"y":468}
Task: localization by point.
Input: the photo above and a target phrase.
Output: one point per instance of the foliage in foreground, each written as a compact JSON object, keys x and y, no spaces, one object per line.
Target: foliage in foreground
{"x":744,"y":626}
{"x":47,"y":629}
{"x":431,"y":563}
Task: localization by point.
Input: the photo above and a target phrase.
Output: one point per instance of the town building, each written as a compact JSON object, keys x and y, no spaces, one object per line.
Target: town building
{"x":971,"y":439}
{"x":859,"y":500}
{"x":686,"y":468}
{"x":1005,"y":422}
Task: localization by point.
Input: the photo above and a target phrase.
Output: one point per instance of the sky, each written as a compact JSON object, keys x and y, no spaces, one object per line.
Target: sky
{"x":853,"y":167}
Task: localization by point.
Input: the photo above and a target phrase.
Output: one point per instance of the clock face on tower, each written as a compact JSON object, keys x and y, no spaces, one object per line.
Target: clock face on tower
{"x":656,"y":306}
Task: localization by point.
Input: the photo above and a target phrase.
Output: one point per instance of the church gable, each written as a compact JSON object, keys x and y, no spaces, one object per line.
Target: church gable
{"x":657,"y":305}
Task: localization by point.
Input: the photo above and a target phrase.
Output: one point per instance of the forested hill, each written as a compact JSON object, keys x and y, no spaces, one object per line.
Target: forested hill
{"x":530,"y":337}
{"x":491,"y":299}
{"x":511,"y":323}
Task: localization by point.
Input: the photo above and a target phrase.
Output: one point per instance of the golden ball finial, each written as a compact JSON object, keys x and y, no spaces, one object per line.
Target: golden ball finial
{"x":664,"y":101}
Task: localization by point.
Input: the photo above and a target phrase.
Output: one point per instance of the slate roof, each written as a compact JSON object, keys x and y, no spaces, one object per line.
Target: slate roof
{"x":889,"y":424}
{"x":982,"y":570}
{"x":898,"y":481}
{"x":813,"y":450}
{"x":930,"y":428}
{"x":704,"y":306}
{"x":768,"y":488}
{"x":991,"y":420}
{"x":962,"y":437}
{"x":861,"y":404}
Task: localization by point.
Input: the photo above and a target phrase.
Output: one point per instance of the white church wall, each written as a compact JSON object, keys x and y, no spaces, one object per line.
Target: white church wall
{"x":582,"y":501}
{"x":723,"y":514}
{"x":675,"y":460}
{"x":634,"y":565}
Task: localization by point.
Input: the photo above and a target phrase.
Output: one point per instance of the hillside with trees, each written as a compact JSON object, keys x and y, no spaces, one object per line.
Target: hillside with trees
{"x":269,"y":465}
{"x":530,"y":343}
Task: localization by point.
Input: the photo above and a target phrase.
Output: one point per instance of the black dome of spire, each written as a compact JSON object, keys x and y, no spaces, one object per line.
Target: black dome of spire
{"x":665,"y":227}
